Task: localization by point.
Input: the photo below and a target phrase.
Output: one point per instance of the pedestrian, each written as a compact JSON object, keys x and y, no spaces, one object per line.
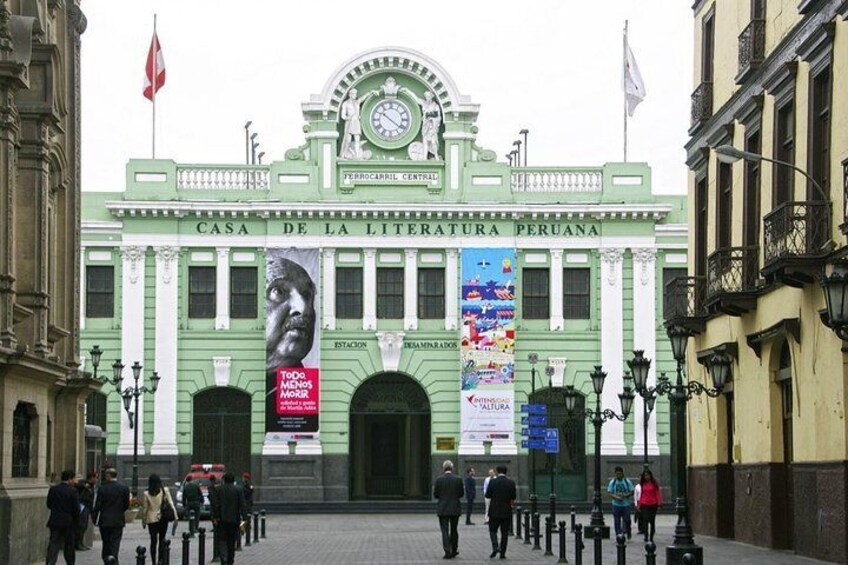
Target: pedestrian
{"x":502,"y":493}
{"x":228,"y":512}
{"x":110,"y":506}
{"x":248,"y":488}
{"x":487,"y":501}
{"x":637,"y":514}
{"x":64,"y":505}
{"x":649,"y":503}
{"x":211,"y":493}
{"x":448,"y":490}
{"x":192,"y":500}
{"x":620,"y":490}
{"x":157,"y":510}
{"x":86,"y":498}
{"x":470,"y":495}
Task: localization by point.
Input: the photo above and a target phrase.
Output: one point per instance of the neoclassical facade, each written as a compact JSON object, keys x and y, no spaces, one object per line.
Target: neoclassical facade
{"x":341,"y":321}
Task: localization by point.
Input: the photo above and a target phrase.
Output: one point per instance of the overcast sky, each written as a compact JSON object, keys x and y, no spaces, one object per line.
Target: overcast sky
{"x":552,"y":66}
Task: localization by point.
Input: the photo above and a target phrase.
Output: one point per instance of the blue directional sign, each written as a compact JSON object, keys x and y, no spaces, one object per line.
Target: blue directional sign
{"x":534,"y":433}
{"x":534,"y":408}
{"x":534,"y":421}
{"x":551,"y":440}
{"x":533,"y":443}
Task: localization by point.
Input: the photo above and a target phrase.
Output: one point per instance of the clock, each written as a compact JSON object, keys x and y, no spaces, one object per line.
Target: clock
{"x":390,"y":119}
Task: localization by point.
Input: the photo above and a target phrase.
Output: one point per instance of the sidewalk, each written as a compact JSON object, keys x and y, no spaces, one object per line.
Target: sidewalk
{"x":402,"y":538}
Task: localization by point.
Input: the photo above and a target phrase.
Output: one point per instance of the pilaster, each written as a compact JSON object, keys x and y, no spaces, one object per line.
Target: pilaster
{"x":612,"y":346}
{"x":644,"y":337}
{"x":410,"y":290}
{"x":369,"y":290}
{"x":222,"y":289}
{"x":82,"y":288}
{"x":167,"y":302}
{"x":557,"y":321}
{"x":328,"y":290}
{"x":132,"y":334}
{"x":451,"y":285}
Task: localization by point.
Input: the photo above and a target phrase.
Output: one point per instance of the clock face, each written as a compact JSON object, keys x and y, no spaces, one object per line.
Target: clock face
{"x":390,"y":119}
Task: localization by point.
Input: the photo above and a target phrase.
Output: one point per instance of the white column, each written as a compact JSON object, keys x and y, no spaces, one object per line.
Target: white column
{"x":369,"y":290}
{"x":167,"y":302}
{"x":328,"y":289}
{"x":612,"y":347}
{"x":557,"y":321}
{"x":451,"y":288}
{"x":410,"y":290}
{"x":645,"y":338}
{"x":132,"y":336}
{"x":82,"y":289}
{"x":222,"y":289}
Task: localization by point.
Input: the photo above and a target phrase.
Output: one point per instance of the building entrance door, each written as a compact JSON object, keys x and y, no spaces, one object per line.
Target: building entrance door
{"x":567,"y":469}
{"x":222,"y":429}
{"x":390,"y":439}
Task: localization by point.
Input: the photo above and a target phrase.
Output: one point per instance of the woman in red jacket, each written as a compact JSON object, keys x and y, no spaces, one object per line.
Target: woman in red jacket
{"x":649,"y":502}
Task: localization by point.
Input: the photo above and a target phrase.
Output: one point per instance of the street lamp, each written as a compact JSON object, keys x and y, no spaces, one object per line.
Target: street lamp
{"x":533,"y":358}
{"x":835,"y":288}
{"x":517,"y":144}
{"x":598,"y":417}
{"x":247,"y":142}
{"x":509,"y":158}
{"x":524,"y":132}
{"x":95,"y":353}
{"x":640,"y":367}
{"x":259,"y":157}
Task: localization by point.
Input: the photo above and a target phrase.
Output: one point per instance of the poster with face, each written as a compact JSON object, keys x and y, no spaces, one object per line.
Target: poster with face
{"x":292,"y":303}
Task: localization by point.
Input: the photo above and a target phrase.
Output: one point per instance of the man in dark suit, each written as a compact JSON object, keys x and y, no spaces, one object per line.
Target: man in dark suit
{"x":63,"y":502}
{"x":228,"y":511}
{"x":113,"y":500}
{"x":448,"y":490}
{"x":501,"y":492}
{"x":470,"y":495}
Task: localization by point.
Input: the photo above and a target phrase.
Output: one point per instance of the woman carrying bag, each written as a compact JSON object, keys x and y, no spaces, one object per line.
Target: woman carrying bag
{"x":157,"y":510}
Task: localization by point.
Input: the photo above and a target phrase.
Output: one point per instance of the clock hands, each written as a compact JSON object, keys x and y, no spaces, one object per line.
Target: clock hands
{"x":386,"y":115}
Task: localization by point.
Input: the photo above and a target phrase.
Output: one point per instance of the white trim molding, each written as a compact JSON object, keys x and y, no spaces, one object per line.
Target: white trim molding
{"x":166,"y":353}
{"x":612,"y":346}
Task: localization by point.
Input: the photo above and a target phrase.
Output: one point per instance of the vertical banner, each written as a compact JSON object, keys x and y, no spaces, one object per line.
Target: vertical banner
{"x":292,"y":377}
{"x":488,"y":345}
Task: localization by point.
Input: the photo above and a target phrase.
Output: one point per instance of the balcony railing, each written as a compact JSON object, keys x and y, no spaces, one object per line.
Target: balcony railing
{"x":683,"y":301}
{"x":538,"y":179}
{"x":752,"y":48}
{"x":223,"y":177}
{"x":732,"y":270}
{"x":702,"y":103}
{"x":796,"y":230}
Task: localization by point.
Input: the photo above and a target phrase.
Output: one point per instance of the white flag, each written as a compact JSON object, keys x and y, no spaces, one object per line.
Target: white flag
{"x":634,"y":88}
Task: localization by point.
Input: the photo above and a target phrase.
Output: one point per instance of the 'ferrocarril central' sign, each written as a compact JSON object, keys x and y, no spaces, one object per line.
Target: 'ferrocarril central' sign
{"x":389,"y":177}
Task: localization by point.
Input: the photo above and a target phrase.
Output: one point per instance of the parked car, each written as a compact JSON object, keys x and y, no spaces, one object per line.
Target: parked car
{"x":202,"y":473}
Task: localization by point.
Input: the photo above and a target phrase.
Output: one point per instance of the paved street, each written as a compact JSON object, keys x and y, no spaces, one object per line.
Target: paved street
{"x":392,"y":538}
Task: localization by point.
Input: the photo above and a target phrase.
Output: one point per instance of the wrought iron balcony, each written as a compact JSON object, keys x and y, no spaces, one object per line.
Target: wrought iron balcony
{"x":732,"y":275}
{"x":752,"y":49}
{"x":797,"y":240}
{"x":683,"y":303}
{"x":702,"y":104}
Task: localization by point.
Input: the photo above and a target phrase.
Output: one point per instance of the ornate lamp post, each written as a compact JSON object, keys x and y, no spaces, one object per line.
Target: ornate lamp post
{"x":598,"y":417}
{"x":835,"y":288}
{"x":640,"y":367}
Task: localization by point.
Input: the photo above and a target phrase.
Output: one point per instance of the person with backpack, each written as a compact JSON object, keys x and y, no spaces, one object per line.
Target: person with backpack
{"x":620,"y":490}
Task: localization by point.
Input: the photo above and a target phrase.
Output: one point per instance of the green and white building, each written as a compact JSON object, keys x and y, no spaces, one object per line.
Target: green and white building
{"x":174,"y":268}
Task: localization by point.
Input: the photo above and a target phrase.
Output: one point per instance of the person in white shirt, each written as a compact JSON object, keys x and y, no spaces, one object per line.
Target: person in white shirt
{"x":637,"y":516}
{"x":490,"y":476}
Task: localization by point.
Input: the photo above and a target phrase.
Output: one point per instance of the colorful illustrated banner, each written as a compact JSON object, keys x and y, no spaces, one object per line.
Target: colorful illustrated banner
{"x":488,"y":344}
{"x":292,"y":375}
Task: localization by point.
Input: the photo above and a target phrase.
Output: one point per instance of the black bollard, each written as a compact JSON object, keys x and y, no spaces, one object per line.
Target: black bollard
{"x":562,"y":556}
{"x":256,"y":527}
{"x":191,"y":522}
{"x":511,"y":530}
{"x":110,"y":560}
{"x":247,"y":532}
{"x":140,"y":555}
{"x":526,"y":527}
{"x":650,"y":553}
{"x":537,"y":534}
{"x":688,"y":559}
{"x":166,"y":550}
{"x":553,"y":499}
{"x":599,"y":558}
{"x":518,"y":515}
{"x":621,"y":549}
{"x":548,"y":535}
{"x":578,"y":544}
{"x":186,"y":548}
{"x":201,"y":548}
{"x":262,"y":516}
{"x":573,"y":518}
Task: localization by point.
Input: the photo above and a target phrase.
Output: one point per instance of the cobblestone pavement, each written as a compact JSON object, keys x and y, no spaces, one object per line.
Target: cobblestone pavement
{"x":414,"y":538}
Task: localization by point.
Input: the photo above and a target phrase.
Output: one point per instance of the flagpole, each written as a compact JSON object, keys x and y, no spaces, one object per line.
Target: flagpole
{"x":153,"y":83}
{"x":624,"y":86}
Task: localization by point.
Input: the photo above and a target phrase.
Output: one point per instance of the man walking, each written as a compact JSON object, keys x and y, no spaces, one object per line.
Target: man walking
{"x":228,"y":511}
{"x":470,"y":495}
{"x":248,"y":487}
{"x":486,"y":500}
{"x":86,"y":499}
{"x":501,"y":491}
{"x":113,"y":500}
{"x":63,"y":502}
{"x":448,"y":490}
{"x":192,"y":498}
{"x":620,"y":490}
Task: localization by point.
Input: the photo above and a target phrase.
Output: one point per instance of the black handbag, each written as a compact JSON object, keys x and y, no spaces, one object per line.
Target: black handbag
{"x":166,"y":512}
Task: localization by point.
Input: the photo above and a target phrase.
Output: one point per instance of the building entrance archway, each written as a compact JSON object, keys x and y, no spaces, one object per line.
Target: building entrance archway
{"x":222,"y":428}
{"x":390,"y":439}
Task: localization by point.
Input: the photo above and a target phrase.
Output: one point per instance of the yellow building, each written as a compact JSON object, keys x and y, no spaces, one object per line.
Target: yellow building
{"x":768,"y":457}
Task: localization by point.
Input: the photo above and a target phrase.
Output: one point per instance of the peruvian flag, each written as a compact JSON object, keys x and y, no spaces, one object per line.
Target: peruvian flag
{"x":154,"y":78}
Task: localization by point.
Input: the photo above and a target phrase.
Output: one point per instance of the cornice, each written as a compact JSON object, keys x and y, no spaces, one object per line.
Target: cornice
{"x":101,"y":227}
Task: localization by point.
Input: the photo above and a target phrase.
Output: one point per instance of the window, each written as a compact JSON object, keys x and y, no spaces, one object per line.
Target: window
{"x":819,"y":155}
{"x":724,"y":209}
{"x":536,"y":296}
{"x":23,"y":436}
{"x":389,"y":293}
{"x":673,"y":273}
{"x":576,"y":294}
{"x":784,"y":150}
{"x":348,"y":292}
{"x":431,"y":294}
{"x":201,"y":292}
{"x":243,"y":292}
{"x":751,"y":203}
{"x":95,"y":410}
{"x":100,"y":292}
{"x":701,"y":212}
{"x":784,"y":382}
{"x":707,"y":46}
